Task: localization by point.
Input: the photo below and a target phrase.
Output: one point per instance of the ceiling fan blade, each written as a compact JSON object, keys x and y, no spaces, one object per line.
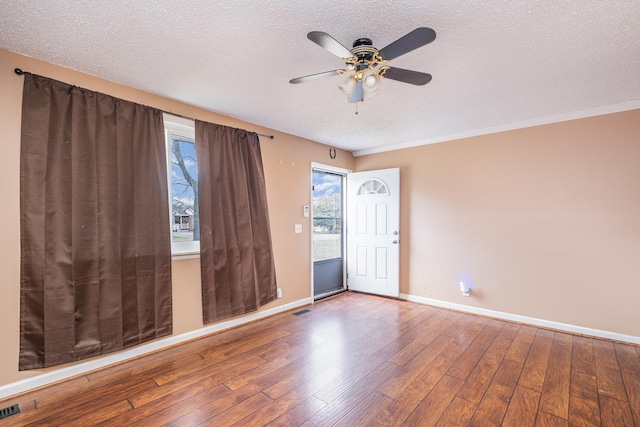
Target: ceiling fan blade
{"x":415,"y":39}
{"x":357,"y":94}
{"x":407,"y":76}
{"x":317,"y":76}
{"x":329,"y":43}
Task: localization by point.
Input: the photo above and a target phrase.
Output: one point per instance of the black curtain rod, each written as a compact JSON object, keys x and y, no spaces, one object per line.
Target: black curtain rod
{"x":191,"y":118}
{"x":19,"y":72}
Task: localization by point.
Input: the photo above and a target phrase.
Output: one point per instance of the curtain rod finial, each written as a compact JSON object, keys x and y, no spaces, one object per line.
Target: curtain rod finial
{"x":19,"y":71}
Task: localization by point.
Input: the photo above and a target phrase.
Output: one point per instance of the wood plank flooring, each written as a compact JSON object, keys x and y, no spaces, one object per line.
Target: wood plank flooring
{"x":358,"y":360}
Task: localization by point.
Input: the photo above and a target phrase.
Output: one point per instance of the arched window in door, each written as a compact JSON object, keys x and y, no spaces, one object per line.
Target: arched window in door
{"x":373,"y":187}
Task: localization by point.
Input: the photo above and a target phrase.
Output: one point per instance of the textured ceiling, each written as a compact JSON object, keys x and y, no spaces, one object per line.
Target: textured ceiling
{"x":495,"y":64}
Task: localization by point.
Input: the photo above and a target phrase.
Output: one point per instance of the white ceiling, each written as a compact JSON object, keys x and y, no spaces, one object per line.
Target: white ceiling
{"x":496,"y":64}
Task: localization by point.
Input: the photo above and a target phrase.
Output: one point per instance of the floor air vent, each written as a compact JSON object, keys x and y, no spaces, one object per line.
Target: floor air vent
{"x":298,"y":313}
{"x":9,"y":410}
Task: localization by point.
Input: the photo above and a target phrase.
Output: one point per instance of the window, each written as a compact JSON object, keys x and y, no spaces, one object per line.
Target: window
{"x":183,"y":184}
{"x":327,"y":215}
{"x":372,"y":187}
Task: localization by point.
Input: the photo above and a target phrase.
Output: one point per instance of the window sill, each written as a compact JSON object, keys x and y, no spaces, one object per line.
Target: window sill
{"x":177,"y":256}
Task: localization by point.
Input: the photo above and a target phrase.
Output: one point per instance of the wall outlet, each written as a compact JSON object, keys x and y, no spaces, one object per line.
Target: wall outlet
{"x":298,"y":228}
{"x":279,"y":292}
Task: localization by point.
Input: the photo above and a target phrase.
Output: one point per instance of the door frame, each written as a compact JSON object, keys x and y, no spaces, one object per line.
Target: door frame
{"x":339,"y":171}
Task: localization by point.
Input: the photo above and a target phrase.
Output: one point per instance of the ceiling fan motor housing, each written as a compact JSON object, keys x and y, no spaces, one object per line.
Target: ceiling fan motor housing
{"x":363,"y":49}
{"x":363,"y":42}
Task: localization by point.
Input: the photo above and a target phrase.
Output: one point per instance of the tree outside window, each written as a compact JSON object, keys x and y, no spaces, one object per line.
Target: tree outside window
{"x":184,"y":190}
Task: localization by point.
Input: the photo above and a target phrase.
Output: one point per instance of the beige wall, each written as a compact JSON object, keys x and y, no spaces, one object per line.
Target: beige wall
{"x":287,"y":162}
{"x":544,"y":222}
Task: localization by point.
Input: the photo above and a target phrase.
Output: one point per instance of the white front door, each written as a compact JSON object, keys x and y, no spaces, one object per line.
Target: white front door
{"x":373,"y":232}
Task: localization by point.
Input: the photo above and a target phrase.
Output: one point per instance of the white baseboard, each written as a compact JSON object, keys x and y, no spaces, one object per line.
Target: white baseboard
{"x":580,"y":330}
{"x":110,"y":359}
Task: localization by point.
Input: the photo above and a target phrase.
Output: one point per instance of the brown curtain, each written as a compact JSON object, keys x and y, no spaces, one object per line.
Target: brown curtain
{"x":95,"y":243}
{"x":237,"y":268}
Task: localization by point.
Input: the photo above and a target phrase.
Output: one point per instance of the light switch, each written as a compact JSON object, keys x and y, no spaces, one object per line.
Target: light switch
{"x":298,"y":228}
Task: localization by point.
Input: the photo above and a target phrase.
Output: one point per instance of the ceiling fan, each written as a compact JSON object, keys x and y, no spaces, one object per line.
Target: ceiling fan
{"x":369,"y":64}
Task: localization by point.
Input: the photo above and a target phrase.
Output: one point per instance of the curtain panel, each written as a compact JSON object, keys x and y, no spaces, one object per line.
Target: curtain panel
{"x":95,"y":236}
{"x":237,"y":267}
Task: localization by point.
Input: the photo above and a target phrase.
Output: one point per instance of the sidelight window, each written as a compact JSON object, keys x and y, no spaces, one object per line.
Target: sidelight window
{"x":183,"y":184}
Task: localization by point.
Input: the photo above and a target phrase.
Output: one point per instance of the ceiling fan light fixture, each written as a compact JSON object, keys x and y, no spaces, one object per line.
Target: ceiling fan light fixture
{"x":371,"y":79}
{"x":348,"y":86}
{"x":358,"y":93}
{"x":370,"y":83}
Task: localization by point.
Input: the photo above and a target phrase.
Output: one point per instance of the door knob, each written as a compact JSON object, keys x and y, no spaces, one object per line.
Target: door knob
{"x":394,"y":241}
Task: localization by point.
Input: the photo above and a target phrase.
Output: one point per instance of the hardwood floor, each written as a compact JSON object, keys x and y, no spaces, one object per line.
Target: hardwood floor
{"x":358,"y":360}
